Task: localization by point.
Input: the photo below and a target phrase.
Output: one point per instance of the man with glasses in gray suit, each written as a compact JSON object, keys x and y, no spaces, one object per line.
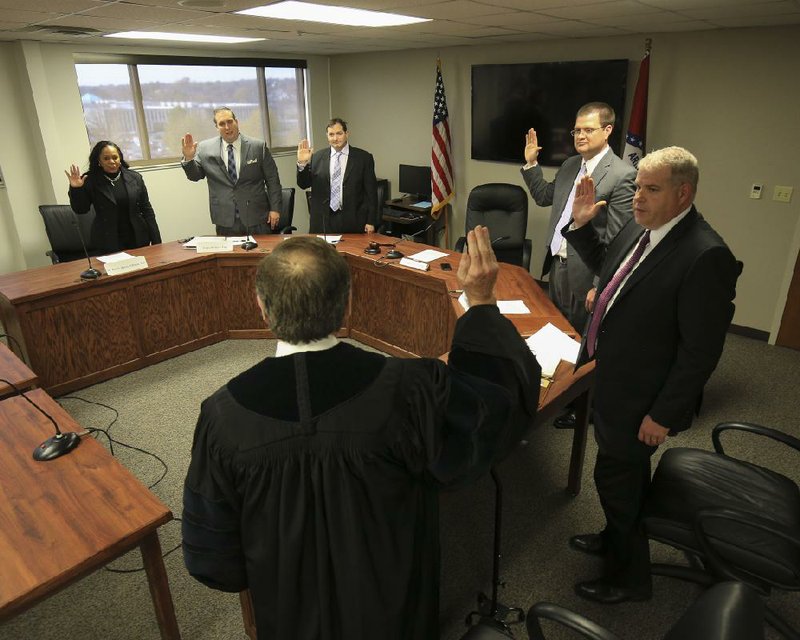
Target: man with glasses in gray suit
{"x":243,"y":185}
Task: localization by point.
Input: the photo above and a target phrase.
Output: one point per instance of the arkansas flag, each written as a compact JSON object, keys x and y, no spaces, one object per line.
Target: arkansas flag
{"x":442,"y":184}
{"x":637,"y":128}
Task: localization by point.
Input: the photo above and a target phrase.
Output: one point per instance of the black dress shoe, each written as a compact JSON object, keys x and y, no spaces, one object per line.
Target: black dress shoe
{"x":565,"y":421}
{"x":605,"y":593}
{"x":591,"y":543}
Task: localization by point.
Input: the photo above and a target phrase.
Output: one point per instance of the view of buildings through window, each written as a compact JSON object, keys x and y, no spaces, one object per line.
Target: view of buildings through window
{"x":147,"y":108}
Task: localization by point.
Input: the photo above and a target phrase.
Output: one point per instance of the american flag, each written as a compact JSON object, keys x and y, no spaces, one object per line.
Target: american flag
{"x":637,"y":127}
{"x":442,"y":184}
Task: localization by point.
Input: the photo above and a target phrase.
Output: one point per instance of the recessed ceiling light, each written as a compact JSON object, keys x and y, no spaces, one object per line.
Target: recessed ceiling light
{"x":180,"y":37}
{"x":310,"y":12}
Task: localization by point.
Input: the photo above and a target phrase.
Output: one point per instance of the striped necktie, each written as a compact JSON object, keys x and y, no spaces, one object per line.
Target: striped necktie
{"x":336,"y":182}
{"x":231,"y":163}
{"x":609,"y":291}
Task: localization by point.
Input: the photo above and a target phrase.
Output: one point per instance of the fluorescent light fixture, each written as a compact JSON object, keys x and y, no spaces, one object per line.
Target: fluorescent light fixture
{"x":310,"y":12}
{"x":180,"y":37}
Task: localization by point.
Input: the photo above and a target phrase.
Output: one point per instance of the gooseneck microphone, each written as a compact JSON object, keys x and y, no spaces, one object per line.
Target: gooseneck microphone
{"x":55,"y":446}
{"x":249,"y":244}
{"x":91,"y":273}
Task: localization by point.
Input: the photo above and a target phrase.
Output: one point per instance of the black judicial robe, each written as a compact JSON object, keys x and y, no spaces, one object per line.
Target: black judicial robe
{"x":314,"y":478}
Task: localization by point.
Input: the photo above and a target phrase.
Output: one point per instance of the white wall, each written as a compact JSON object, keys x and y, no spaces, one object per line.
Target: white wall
{"x":45,"y":133}
{"x":728,"y":96}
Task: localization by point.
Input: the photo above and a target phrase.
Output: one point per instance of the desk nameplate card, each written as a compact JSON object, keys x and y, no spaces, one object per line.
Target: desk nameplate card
{"x":118,"y":267}
{"x":213,"y":244}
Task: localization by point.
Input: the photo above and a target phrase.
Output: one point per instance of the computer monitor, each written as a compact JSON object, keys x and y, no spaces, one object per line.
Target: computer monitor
{"x":415,"y":181}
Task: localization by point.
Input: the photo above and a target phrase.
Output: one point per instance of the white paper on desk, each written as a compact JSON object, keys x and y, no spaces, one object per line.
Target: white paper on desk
{"x":428,"y":255}
{"x":115,"y":257}
{"x":509,"y":307}
{"x":512,"y":307}
{"x":331,"y":239}
{"x":550,"y":345}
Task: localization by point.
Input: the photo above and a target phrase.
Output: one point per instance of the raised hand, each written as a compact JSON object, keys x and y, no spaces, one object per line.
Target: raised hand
{"x":304,"y":151}
{"x":532,"y":147}
{"x":76,"y":180}
{"x":477,"y":272}
{"x":584,"y":208}
{"x":189,"y":147}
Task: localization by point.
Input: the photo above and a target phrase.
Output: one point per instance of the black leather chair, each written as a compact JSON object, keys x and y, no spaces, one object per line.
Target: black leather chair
{"x":287,"y":211}
{"x":733,"y":519}
{"x":727,"y":611}
{"x":503,"y":208}
{"x":61,"y":224}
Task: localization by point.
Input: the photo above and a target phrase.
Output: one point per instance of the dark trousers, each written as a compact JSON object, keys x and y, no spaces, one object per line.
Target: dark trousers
{"x":622,"y":476}
{"x":571,"y":304}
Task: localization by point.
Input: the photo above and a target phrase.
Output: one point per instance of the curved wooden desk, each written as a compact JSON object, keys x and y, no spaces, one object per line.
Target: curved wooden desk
{"x":79,"y":333}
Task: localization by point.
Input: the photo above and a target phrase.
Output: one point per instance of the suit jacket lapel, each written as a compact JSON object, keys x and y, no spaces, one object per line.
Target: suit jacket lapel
{"x":563,"y":196}
{"x":223,"y":166}
{"x":657,"y":255}
{"x":105,"y":188}
{"x":602,"y":168}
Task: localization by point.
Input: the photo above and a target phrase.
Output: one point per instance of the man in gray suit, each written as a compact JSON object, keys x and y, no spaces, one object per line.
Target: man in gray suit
{"x":244,"y":189}
{"x":571,"y":281}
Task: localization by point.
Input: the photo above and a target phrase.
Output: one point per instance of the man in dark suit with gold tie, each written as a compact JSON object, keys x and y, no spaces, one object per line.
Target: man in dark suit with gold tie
{"x":344,"y":189}
{"x":665,"y":300}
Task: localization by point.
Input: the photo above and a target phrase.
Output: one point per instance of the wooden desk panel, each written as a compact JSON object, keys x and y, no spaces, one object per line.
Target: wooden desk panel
{"x":15,"y":371}
{"x":62,"y":519}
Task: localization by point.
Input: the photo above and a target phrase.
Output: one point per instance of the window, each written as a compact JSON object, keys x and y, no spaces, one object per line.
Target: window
{"x":146,"y":106}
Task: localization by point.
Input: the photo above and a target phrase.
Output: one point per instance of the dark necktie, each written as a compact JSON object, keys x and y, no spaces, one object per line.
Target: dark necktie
{"x":231,"y":163}
{"x":610,"y":289}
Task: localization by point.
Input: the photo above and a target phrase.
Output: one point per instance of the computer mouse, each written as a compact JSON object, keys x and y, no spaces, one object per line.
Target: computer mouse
{"x":394,"y":254}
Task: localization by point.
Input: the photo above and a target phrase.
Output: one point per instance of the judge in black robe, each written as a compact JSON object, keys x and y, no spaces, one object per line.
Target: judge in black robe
{"x":314,"y":475}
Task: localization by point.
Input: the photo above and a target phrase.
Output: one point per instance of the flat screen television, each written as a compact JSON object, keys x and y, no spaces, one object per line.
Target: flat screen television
{"x":509,"y":99}
{"x":415,"y":181}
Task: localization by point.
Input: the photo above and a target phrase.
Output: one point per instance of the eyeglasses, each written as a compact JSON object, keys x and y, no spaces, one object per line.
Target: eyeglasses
{"x":587,"y":132}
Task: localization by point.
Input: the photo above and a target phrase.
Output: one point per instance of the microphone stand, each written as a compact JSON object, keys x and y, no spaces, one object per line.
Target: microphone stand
{"x":91,"y":273}
{"x":55,"y":446}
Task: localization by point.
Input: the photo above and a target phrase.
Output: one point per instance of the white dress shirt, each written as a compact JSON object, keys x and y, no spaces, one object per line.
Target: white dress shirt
{"x":287,"y":348}
{"x":237,"y":154}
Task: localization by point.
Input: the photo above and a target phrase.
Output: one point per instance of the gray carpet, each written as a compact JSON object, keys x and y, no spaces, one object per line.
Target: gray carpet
{"x":157,"y":411}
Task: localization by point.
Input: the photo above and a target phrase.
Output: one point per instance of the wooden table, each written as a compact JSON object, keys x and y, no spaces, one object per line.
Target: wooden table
{"x":63,"y":519}
{"x":78,"y":333}
{"x":15,"y":371}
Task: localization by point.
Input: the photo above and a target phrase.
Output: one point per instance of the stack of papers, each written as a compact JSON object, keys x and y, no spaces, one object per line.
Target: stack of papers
{"x":550,"y":345}
{"x":506,"y":307}
{"x":234,"y":240}
{"x":428,"y":255}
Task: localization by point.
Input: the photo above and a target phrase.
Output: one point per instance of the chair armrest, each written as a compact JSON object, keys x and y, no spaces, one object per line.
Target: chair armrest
{"x":565,"y":617}
{"x":460,"y":244}
{"x":758,"y":523}
{"x":53,"y":256}
{"x":288,"y":230}
{"x":527,"y":248}
{"x":757,"y":429}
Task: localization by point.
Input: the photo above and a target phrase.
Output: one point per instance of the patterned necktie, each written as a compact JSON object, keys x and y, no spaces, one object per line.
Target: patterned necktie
{"x":231,"y":163}
{"x":566,"y":214}
{"x":336,"y":182}
{"x":611,"y":289}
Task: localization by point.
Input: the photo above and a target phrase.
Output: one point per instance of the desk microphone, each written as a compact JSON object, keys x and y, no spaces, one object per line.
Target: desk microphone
{"x":56,"y":445}
{"x":91,"y":273}
{"x":410,"y":236}
{"x":249,"y":245}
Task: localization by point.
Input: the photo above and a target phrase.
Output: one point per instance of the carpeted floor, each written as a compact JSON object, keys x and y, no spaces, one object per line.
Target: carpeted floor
{"x":158,"y":407}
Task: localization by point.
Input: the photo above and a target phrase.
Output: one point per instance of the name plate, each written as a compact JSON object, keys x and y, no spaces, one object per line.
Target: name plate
{"x":213,"y":245}
{"x":137,"y":263}
{"x":414,"y":264}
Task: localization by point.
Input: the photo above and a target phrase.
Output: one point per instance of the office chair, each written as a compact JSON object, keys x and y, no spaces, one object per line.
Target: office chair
{"x":734,"y":520}
{"x":727,"y":611}
{"x":60,"y":223}
{"x":287,"y":211}
{"x":503,"y":208}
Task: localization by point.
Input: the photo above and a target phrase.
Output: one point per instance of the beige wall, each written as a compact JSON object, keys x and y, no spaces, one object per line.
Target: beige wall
{"x":726,"y":95}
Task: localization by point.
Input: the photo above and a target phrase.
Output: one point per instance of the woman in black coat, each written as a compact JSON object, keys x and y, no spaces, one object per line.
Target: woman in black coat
{"x":124,"y":217}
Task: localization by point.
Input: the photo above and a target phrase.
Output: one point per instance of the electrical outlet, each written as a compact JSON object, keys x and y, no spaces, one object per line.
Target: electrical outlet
{"x":755,"y":191}
{"x":782,"y":194}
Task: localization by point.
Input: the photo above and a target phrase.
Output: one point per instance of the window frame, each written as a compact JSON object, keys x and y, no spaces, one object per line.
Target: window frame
{"x":260,"y":64}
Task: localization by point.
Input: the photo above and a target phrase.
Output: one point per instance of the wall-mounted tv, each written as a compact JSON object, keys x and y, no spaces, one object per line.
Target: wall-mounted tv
{"x":509,"y":99}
